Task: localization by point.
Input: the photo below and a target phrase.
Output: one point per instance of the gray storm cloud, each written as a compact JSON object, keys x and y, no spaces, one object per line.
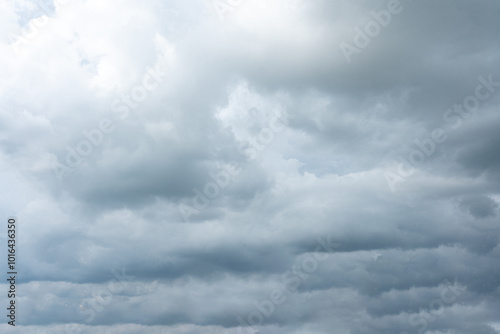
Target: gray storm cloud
{"x":272,"y":167}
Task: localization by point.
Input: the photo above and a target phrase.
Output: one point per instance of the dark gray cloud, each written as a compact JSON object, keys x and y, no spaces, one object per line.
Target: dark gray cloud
{"x":479,"y":206}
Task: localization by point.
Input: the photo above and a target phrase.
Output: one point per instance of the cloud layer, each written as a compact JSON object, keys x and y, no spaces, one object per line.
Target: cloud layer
{"x":222,"y":166}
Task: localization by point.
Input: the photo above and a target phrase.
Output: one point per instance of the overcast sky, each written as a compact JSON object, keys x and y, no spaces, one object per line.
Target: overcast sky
{"x":252,"y":166}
